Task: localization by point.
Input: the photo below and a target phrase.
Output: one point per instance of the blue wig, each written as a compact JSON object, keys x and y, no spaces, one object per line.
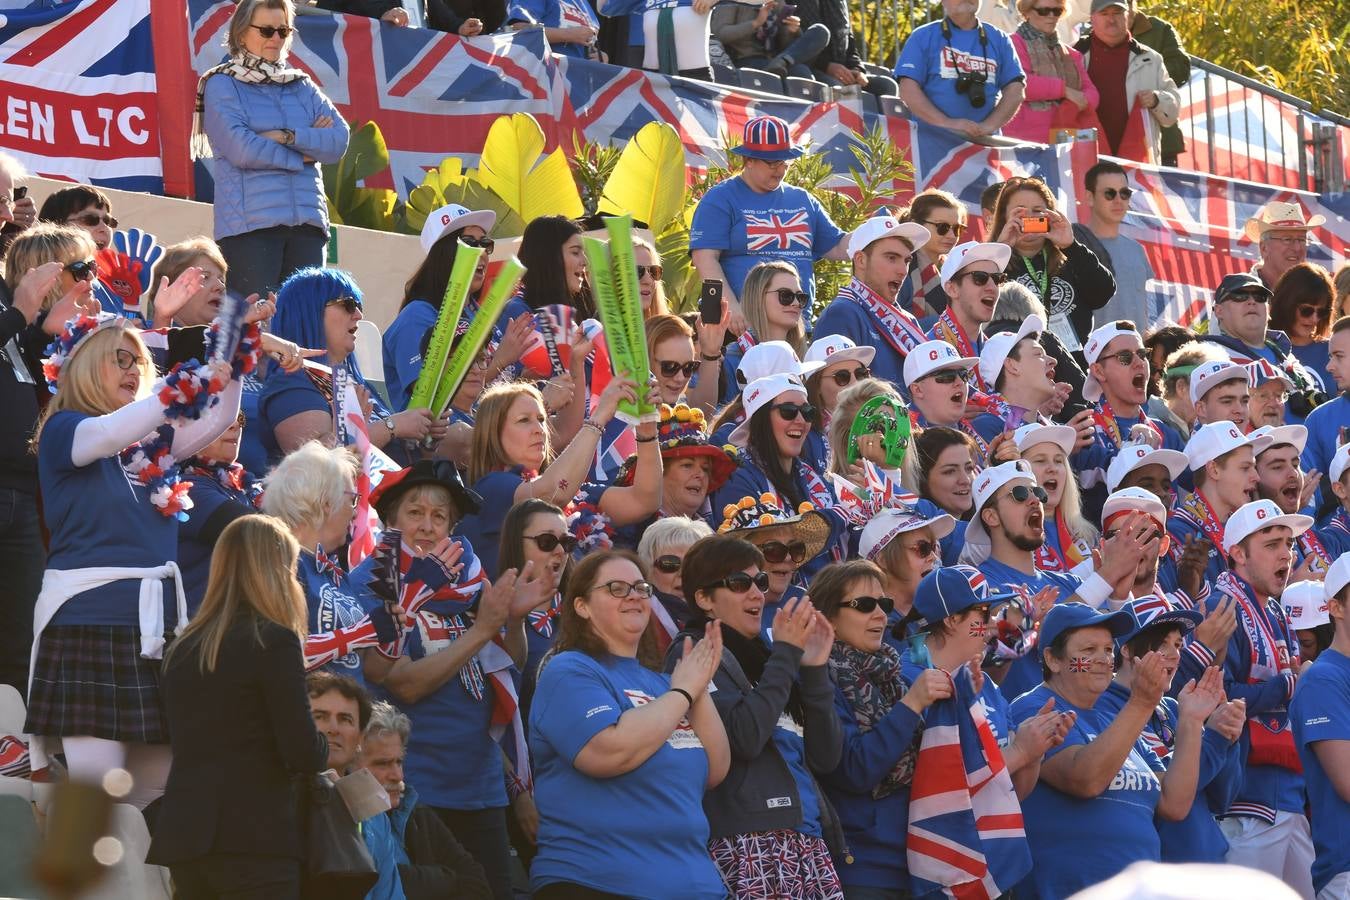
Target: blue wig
{"x":301,"y":302}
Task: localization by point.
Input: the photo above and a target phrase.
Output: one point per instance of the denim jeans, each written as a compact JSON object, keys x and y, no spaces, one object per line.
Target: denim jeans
{"x":261,"y":260}
{"x":803,"y":49}
{"x":22,"y":560}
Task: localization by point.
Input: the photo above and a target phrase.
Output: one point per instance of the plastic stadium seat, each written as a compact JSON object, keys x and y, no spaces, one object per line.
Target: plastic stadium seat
{"x":759,"y":80}
{"x":16,"y":787}
{"x":806,"y":89}
{"x":726,"y":75}
{"x":874,"y":69}
{"x":370,"y":355}
{"x":131,"y":876}
{"x":869,"y":103}
{"x":894,"y":106}
{"x":19,"y":827}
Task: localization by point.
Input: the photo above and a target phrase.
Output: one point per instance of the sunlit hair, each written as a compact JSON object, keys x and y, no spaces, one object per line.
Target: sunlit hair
{"x":576,"y":632}
{"x":837,"y":579}
{"x":252,"y":580}
{"x":850,"y":400}
{"x":1054,"y":255}
{"x":925,"y":202}
{"x":669,"y":533}
{"x":44,"y":243}
{"x":387,"y":719}
{"x":511,"y":550}
{"x":243,"y":18}
{"x":11,"y":166}
{"x":84,"y":386}
{"x":176,"y":260}
{"x":1191,"y":355}
{"x":662,"y":328}
{"x":1071,"y":506}
{"x":754,"y":306}
{"x":1342,"y":282}
{"x":1016,"y":302}
{"x":309,"y":484}
{"x":488,"y":452}
{"x":659,"y":307}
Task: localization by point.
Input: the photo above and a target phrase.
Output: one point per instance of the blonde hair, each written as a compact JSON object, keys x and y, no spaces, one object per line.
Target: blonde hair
{"x":243,"y":19}
{"x":44,"y":243}
{"x":660,"y":307}
{"x":82,"y":386}
{"x":308,"y":484}
{"x":176,"y":259}
{"x":1071,"y":505}
{"x":753,"y":303}
{"x":487,"y":453}
{"x":252,"y":579}
{"x":850,"y":400}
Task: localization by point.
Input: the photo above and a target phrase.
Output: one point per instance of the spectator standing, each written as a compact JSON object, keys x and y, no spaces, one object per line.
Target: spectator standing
{"x":1302,"y":308}
{"x":234,"y":696}
{"x":570,"y":25}
{"x":1109,"y":194}
{"x":1059,"y":94}
{"x":945,"y":218}
{"x":754,"y":217}
{"x":555,"y":268}
{"x":961,"y":73}
{"x":17,"y":210}
{"x":1328,"y":423}
{"x":466,"y":18}
{"x":651,"y":289}
{"x":1130,"y":77}
{"x":269,"y":127}
{"x":1158,"y":34}
{"x":841,"y":62}
{"x":90,"y":210}
{"x":755,"y":37}
{"x":1281,"y":232}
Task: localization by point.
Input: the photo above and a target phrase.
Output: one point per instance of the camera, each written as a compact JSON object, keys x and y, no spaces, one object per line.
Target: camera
{"x":973,"y":84}
{"x":1303,"y":402}
{"x":1036,"y":225}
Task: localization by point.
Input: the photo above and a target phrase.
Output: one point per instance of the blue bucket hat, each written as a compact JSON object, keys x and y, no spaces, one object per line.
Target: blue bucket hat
{"x":767,"y":137}
{"x":1064,"y":617}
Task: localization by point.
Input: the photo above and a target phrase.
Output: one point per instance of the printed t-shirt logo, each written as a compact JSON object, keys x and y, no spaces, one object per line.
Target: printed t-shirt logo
{"x":682,"y":738}
{"x":775,"y":231}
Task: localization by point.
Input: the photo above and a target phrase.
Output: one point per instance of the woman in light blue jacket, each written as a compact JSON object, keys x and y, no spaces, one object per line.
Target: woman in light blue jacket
{"x":268,"y":126}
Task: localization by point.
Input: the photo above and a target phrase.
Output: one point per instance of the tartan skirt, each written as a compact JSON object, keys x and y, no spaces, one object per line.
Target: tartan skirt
{"x":776,"y":865}
{"x":91,"y":681}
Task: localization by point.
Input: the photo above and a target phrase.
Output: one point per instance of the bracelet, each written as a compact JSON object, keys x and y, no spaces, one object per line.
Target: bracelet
{"x":707,"y":358}
{"x":645,"y":440}
{"x":682,"y":692}
{"x":598,"y":429}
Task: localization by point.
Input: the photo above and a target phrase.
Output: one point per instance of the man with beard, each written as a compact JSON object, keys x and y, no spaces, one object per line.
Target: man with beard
{"x":1281,"y":233}
{"x":1002,"y":539}
{"x":971,"y":275}
{"x":1223,"y":464}
{"x":1328,"y":424}
{"x":1266,"y":826}
{"x":1270,"y":389}
{"x":1281,"y":480}
{"x":1220,"y":393}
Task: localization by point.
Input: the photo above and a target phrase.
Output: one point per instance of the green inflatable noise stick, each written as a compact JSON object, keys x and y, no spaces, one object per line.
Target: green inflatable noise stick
{"x":452,"y":304}
{"x":887,"y":417}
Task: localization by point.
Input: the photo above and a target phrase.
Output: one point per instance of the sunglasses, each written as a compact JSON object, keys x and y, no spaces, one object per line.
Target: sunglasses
{"x":1243,"y":296}
{"x":844,"y":377}
{"x":486,"y":243}
{"x":924,"y":548}
{"x":671,"y":369}
{"x":1123,"y":193}
{"x":126,"y":360}
{"x":942,"y":228}
{"x":866,"y":605}
{"x":740,"y":582}
{"x":271,"y":31}
{"x":349,"y":304}
{"x":1053,"y":11}
{"x":547,"y":542}
{"x":789,"y":297}
{"x":92,"y":219}
{"x":668,"y":564}
{"x":83,"y":269}
{"x":1308,"y":312}
{"x":983,"y":278}
{"x":777,"y":551}
{"x":951,"y":376}
{"x":1020,"y":493}
{"x":790,"y":411}
{"x":620,"y":589}
{"x":1126,"y":357}
{"x":655,"y":270}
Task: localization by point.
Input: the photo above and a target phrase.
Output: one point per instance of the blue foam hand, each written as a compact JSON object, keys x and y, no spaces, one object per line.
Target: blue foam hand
{"x":141,"y":246}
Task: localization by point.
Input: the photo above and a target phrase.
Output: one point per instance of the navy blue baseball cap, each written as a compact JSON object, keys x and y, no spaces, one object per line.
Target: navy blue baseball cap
{"x":1064,"y":617}
{"x":951,"y":590}
{"x":1152,"y":609}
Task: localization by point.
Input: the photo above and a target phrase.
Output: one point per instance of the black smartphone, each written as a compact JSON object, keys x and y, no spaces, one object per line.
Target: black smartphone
{"x":710,"y":302}
{"x":20,"y":192}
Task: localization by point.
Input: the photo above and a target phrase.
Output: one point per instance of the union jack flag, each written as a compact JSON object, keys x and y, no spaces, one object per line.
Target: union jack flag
{"x":1146,"y":609}
{"x":775,"y":232}
{"x":1155,"y":744}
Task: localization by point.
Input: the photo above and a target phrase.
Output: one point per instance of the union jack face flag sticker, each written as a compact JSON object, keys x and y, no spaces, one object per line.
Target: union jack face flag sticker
{"x":1080,"y":664}
{"x":777,"y":232}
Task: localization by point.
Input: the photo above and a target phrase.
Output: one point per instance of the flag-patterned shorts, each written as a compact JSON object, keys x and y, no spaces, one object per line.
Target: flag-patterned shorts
{"x":776,"y":865}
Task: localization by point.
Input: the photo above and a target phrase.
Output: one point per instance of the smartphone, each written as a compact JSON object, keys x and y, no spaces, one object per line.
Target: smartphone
{"x":710,"y":302}
{"x":20,"y":192}
{"x":1036,"y":225}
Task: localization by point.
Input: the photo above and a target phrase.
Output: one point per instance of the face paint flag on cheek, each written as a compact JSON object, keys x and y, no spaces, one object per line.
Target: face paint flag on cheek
{"x":1080,"y":664}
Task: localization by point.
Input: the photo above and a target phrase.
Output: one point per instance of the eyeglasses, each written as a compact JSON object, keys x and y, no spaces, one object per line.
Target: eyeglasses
{"x":740,"y":582}
{"x":126,"y":360}
{"x":790,"y":411}
{"x":942,"y":228}
{"x":620,"y":589}
{"x":951,"y":376}
{"x":669,"y":564}
{"x":83,"y":269}
{"x":924,"y":548}
{"x":670,"y":369}
{"x":654,"y":270}
{"x":485,"y":243}
{"x":866,"y":605}
{"x":844,"y":377}
{"x":1292,"y":240}
{"x":547,"y":542}
{"x":789,"y":297}
{"x":349,"y":304}
{"x":1020,"y":493}
{"x":983,"y":278}
{"x":1052,"y":11}
{"x":777,"y":551}
{"x":1308,"y":312}
{"x":1127,"y":357}
{"x":271,"y":31}
{"x":1244,"y":296}
{"x":1122,"y":193}
{"x":92,"y":219}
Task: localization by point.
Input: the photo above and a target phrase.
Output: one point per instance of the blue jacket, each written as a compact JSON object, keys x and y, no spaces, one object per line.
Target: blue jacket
{"x":259,"y":182}
{"x":383,"y":846}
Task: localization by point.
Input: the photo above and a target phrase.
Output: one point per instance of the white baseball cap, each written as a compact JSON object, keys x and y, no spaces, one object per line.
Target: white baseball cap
{"x":1133,"y":498}
{"x":758,"y":394}
{"x":887,"y":524}
{"x":878,"y":227}
{"x":998,"y":346}
{"x":1306,"y":604}
{"x":833,"y":348}
{"x":934,"y":356}
{"x":1295,"y":436}
{"x":963,"y":255}
{"x":453,"y":217}
{"x":1212,"y":373}
{"x":1338,"y":576}
{"x":1092,"y":351}
{"x":1028,"y":436}
{"x":1209,"y":442}
{"x":1257,"y":515}
{"x":774,"y":358}
{"x":987,"y":483}
{"x":1132,"y":456}
{"x":1339,"y":462}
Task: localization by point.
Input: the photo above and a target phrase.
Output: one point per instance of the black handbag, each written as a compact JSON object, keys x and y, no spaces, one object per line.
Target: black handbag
{"x":338,"y":866}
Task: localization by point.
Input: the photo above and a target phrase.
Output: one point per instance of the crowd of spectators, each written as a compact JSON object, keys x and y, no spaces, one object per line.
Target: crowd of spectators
{"x":983,"y":501}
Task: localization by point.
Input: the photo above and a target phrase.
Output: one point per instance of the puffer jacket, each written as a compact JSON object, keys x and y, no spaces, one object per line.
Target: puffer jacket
{"x":259,"y":182}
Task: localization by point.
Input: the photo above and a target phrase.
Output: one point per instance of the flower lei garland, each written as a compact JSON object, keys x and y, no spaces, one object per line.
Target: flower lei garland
{"x":592,"y":528}
{"x":234,"y":478}
{"x":151,"y":463}
{"x":63,"y":345}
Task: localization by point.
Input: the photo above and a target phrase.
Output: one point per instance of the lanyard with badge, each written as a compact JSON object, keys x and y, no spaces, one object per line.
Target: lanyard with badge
{"x":1059,"y":323}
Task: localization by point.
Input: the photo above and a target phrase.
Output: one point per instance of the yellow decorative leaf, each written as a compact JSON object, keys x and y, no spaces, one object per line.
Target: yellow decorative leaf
{"x":509,"y":154}
{"x":550,"y":190}
{"x":649,"y":179}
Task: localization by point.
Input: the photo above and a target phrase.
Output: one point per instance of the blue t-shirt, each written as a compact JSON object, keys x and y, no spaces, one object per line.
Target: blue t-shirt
{"x":555,"y":14}
{"x":1315,"y":357}
{"x":286,"y":395}
{"x":1321,"y":712}
{"x":1327,"y":430}
{"x":208,"y":495}
{"x":641,"y":834}
{"x":252,"y":453}
{"x":402,"y":345}
{"x":98,"y":515}
{"x":932,"y":60}
{"x":333,"y":607}
{"x":1077,"y":842}
{"x":786,"y":224}
{"x":1024,"y":673}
